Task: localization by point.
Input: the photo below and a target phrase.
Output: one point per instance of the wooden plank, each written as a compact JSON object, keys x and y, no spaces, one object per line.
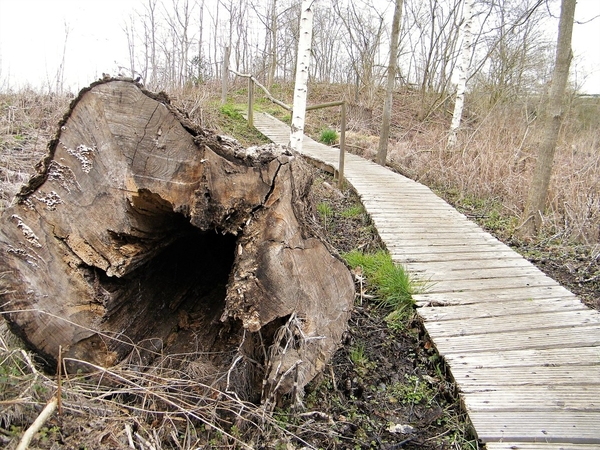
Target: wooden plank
{"x":534,"y":398}
{"x":448,"y":274}
{"x":500,"y":324}
{"x":394,"y":249}
{"x":560,"y":426}
{"x":510,"y":294}
{"x":488,"y":284}
{"x":451,"y":258}
{"x":576,"y":336}
{"x":573,"y":356}
{"x":514,"y":262}
{"x":501,"y":308}
{"x":478,"y":377}
{"x":538,"y":446}
{"x":409,"y":243}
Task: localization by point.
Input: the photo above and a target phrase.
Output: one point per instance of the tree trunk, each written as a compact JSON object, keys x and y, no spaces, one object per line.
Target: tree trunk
{"x":143,"y":235}
{"x":463,"y":69}
{"x":273,"y":30}
{"x":225,"y":76}
{"x":538,"y":191}
{"x":302,"y":69}
{"x":391,"y":79}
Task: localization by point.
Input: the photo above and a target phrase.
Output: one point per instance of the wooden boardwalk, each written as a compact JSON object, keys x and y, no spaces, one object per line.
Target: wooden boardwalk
{"x":524,"y":351}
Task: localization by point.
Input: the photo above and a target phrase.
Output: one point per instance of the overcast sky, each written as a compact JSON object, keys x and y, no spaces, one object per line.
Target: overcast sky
{"x":32,"y":38}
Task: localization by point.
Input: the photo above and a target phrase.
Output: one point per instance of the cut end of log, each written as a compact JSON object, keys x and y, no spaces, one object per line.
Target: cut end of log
{"x":145,"y":236}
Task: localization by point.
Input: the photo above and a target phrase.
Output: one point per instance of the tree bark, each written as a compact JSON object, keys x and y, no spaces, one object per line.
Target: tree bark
{"x":143,"y":235}
{"x":463,"y":69}
{"x":391,"y":79}
{"x":538,"y":190}
{"x":302,"y":70}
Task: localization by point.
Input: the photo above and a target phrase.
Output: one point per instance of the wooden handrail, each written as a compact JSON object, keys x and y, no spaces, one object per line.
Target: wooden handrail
{"x":252,"y":81}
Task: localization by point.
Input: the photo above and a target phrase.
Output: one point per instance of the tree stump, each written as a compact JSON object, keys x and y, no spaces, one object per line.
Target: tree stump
{"x":144,"y":235}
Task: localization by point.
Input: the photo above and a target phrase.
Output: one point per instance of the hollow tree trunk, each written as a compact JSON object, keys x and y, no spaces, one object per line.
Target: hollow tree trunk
{"x":144,"y":235}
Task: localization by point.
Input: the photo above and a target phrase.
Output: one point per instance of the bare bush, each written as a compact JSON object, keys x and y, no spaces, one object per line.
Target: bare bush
{"x":495,"y":158}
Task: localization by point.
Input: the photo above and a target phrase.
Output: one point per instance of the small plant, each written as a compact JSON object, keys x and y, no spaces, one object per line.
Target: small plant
{"x":357,"y":355}
{"x":413,"y":391}
{"x":353,"y":211}
{"x":231,"y":111}
{"x":326,"y":212}
{"x":392,"y":285}
{"x":361,"y":362}
{"x":328,"y":136}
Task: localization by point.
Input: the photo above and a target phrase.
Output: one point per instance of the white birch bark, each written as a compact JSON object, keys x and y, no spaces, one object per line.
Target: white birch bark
{"x":302,"y":66}
{"x":389,"y":90}
{"x":463,"y":70}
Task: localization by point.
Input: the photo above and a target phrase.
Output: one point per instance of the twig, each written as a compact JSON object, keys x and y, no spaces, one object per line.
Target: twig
{"x":129,"y":436}
{"x":37,"y":424}
{"x":145,"y":442}
{"x":59,"y":381}
{"x":268,"y":94}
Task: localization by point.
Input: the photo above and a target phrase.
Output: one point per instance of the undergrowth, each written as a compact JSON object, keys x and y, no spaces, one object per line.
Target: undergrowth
{"x":392,"y":285}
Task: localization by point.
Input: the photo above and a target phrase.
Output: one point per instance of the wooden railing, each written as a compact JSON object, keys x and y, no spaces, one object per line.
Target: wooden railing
{"x":253,"y":81}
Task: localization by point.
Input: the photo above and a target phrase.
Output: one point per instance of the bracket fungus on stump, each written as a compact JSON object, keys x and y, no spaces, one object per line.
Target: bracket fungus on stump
{"x":144,"y":235}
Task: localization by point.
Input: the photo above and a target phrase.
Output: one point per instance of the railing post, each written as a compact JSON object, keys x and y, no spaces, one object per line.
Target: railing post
{"x":250,"y":102}
{"x":342,"y":148}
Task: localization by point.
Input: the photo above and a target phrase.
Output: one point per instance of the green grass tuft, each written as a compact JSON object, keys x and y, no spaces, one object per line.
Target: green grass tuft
{"x":231,"y":111}
{"x":328,"y":136}
{"x":353,"y":211}
{"x":392,"y":285}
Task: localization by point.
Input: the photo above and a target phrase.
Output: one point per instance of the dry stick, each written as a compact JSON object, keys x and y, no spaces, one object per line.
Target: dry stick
{"x":129,"y":436}
{"x":59,"y":382}
{"x":37,"y":424}
{"x":269,"y":96}
{"x":161,"y":397}
{"x":145,"y":441}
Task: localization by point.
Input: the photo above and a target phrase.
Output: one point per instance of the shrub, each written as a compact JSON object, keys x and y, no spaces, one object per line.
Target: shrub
{"x":328,"y":136}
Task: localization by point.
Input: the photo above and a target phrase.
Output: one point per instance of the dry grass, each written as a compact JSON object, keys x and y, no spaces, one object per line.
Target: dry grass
{"x":27,"y":122}
{"x":494,"y":160}
{"x":152,"y":407}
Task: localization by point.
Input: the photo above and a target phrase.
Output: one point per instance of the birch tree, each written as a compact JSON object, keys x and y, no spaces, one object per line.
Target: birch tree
{"x":391,"y":78}
{"x":538,"y":191}
{"x":302,"y":69}
{"x":462,"y":69}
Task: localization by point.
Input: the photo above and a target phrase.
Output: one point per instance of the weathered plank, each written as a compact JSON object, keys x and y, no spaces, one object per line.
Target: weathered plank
{"x":570,"y":337}
{"x":478,"y":377}
{"x":502,"y":324}
{"x":525,"y":293}
{"x":533,"y":398}
{"x":538,"y":446}
{"x":514,"y":263}
{"x":551,"y":357}
{"x":501,"y":308}
{"x":545,"y":426}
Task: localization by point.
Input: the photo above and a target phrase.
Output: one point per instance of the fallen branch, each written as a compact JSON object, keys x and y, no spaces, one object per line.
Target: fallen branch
{"x":37,"y":424}
{"x":267,"y":93}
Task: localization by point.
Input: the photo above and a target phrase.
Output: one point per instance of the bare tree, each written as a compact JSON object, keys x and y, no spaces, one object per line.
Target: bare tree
{"x":364,"y":28}
{"x":538,"y":191}
{"x":391,"y":78}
